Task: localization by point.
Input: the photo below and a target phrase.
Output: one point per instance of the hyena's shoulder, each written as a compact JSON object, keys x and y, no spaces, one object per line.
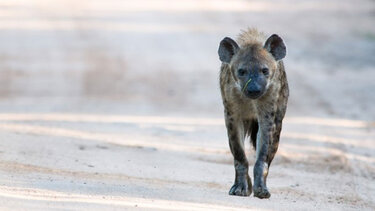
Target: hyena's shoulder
{"x":228,"y":93}
{"x":283,"y":92}
{"x":284,"y":87}
{"x":225,"y":81}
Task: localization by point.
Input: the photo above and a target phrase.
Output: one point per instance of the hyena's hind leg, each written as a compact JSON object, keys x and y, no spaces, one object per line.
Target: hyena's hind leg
{"x":252,"y":131}
{"x":242,"y":184}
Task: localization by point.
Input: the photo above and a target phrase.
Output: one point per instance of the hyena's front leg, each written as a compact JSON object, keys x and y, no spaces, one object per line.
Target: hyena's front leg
{"x":261,"y":166}
{"x":242,"y":183}
{"x":266,"y":148}
{"x":276,"y":130}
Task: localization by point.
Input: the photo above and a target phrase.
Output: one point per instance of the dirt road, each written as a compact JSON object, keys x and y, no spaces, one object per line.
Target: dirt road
{"x":115,"y":105}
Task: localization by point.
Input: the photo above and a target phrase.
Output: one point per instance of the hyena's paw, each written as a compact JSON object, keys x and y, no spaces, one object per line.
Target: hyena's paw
{"x":241,"y":188}
{"x":261,"y":192}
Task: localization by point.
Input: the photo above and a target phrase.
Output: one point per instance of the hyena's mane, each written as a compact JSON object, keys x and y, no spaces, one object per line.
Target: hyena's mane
{"x":251,"y":36}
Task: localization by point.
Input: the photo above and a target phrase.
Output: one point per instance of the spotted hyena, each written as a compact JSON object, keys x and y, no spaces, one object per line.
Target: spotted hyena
{"x":255,"y":92}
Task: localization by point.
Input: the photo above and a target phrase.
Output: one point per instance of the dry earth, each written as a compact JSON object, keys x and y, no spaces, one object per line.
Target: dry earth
{"x":114,"y":105}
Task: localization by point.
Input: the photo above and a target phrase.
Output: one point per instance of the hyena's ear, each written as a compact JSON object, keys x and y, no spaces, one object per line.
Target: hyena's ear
{"x":227,"y":49}
{"x":275,"y":45}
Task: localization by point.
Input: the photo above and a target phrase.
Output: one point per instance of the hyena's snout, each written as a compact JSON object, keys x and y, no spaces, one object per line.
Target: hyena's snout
{"x":254,"y":90}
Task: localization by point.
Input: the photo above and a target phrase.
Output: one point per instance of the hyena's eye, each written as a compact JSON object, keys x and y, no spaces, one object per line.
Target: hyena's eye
{"x":266,"y":71}
{"x":241,"y":72}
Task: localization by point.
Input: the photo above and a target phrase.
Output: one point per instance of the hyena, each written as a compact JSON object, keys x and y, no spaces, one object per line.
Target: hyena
{"x":255,"y":92}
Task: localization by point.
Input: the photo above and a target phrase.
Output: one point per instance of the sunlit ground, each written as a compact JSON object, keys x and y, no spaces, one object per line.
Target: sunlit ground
{"x":109,"y":105}
{"x":65,"y":137}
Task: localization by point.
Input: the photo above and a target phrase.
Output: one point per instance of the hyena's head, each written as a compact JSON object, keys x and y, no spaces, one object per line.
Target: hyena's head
{"x":253,"y":65}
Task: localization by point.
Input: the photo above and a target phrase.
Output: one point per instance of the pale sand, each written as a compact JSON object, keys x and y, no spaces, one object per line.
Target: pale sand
{"x":114,"y":105}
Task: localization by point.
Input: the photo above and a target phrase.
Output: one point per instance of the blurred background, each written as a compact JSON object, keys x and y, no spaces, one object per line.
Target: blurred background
{"x":116,"y":104}
{"x":161,"y":56}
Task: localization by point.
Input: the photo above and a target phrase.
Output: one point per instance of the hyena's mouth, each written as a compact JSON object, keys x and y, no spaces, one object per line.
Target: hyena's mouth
{"x":253,"y":95}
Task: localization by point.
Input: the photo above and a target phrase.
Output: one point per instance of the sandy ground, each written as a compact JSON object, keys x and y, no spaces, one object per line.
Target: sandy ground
{"x":114,"y":105}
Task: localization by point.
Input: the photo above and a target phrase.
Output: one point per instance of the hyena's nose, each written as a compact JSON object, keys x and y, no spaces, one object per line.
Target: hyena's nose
{"x":253,"y":92}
